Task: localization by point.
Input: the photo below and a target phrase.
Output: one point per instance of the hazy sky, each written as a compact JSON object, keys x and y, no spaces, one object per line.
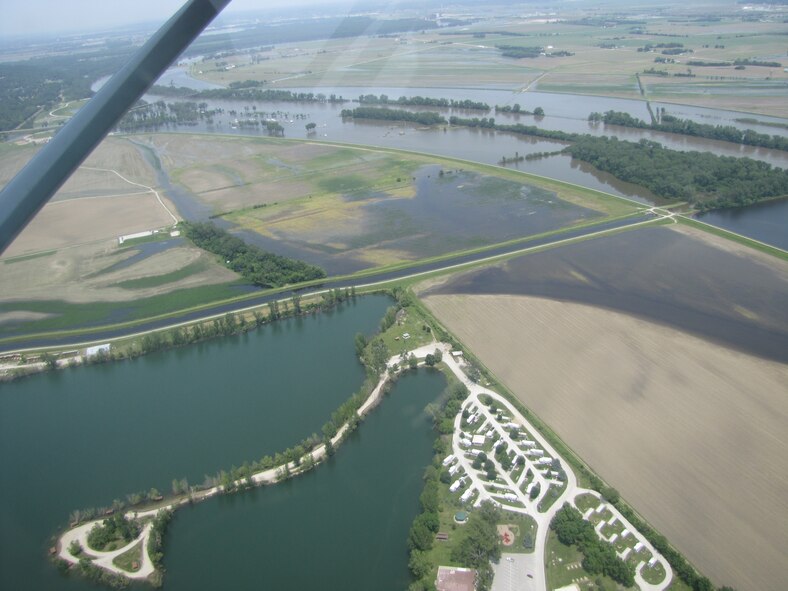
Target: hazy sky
{"x":46,"y":16}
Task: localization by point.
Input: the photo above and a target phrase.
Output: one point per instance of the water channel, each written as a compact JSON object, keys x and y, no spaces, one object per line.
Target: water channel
{"x":83,"y":437}
{"x":564,"y":112}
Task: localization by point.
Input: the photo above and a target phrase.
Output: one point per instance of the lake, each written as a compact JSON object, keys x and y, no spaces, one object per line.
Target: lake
{"x":83,"y":437}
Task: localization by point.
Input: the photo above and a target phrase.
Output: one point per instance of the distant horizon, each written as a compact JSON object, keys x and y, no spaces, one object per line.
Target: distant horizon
{"x":47,"y":18}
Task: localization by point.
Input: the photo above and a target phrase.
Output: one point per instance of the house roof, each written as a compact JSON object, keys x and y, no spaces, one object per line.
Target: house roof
{"x":451,"y":578}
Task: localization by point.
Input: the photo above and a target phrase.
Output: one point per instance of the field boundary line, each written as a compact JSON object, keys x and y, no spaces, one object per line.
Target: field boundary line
{"x":151,"y":189}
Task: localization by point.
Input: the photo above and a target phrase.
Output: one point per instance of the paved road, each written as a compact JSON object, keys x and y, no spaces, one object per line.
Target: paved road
{"x":101,"y":334}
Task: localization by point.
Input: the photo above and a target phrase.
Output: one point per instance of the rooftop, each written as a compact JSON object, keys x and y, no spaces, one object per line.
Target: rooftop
{"x":451,"y":578}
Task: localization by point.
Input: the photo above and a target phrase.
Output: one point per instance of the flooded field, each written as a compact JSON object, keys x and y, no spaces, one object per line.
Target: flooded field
{"x":676,"y":278}
{"x":439,"y":211}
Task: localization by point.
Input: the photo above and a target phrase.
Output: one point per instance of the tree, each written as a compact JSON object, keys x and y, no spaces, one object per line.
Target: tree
{"x":275,"y":129}
{"x":412,"y":361}
{"x":419,"y":564}
{"x":429,"y":360}
{"x":273,"y":309}
{"x":610,"y":494}
{"x":438,"y":355}
{"x":420,"y":537}
{"x":539,"y":112}
{"x":480,"y":544}
{"x":311,"y":126}
{"x":361,"y":343}
{"x":377,"y":355}
{"x":49,"y":360}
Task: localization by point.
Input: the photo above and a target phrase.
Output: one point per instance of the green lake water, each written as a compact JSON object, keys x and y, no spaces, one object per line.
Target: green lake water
{"x":83,"y":437}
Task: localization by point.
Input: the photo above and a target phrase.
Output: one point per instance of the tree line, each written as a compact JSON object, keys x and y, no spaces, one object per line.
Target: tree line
{"x":478,"y":544}
{"x":704,"y":179}
{"x":422,"y":117}
{"x":260,"y":267}
{"x":371,"y":99}
{"x":268,"y":94}
{"x":152,"y":116}
{"x":671,"y":124}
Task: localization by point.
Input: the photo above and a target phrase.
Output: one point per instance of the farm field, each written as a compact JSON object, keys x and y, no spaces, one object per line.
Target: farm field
{"x":600,"y":59}
{"x":347,"y":208}
{"x":690,"y":432}
{"x":70,"y":250}
{"x":674,"y":275}
{"x":423,"y":215}
{"x":109,"y":196}
{"x":416,"y":60}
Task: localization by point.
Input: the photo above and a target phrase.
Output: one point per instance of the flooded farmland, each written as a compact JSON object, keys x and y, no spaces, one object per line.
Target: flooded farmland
{"x":659,"y":274}
{"x":449,"y":211}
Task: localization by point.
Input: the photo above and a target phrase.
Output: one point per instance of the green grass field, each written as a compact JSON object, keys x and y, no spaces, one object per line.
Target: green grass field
{"x":130,"y":558}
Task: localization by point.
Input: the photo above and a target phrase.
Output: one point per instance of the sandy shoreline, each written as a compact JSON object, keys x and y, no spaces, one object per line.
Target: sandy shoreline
{"x":691,"y":433}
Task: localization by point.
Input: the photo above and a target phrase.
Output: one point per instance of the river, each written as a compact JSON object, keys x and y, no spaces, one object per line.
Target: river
{"x":83,"y":437}
{"x":564,"y":112}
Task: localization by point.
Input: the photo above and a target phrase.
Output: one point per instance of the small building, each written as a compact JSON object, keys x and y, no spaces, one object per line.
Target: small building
{"x":625,"y":553}
{"x":544,"y":461}
{"x":625,"y":533}
{"x":478,"y":440}
{"x":600,"y":508}
{"x":474,"y":452}
{"x":453,"y":469}
{"x":448,"y":459}
{"x":455,"y":485}
{"x":97,"y":350}
{"x":613,"y":538}
{"x":466,"y":496}
{"x":145,"y":234}
{"x":452,"y":578}
{"x":638,"y":547}
{"x":510,"y":496}
{"x":405,"y":336}
{"x":653,"y":561}
{"x":529,"y":488}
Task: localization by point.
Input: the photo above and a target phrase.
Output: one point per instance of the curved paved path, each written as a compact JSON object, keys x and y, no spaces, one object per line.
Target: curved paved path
{"x":570,"y":492}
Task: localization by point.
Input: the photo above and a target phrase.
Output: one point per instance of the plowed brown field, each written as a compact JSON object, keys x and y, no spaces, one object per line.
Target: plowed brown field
{"x":694,"y":435}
